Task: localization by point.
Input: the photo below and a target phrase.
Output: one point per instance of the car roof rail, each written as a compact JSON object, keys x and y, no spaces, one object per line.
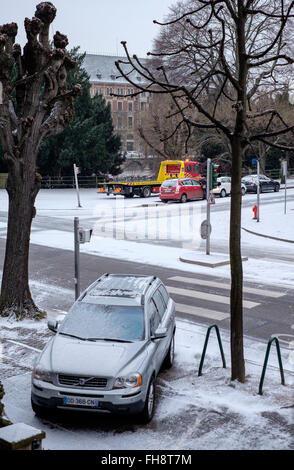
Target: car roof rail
{"x":121,"y":287}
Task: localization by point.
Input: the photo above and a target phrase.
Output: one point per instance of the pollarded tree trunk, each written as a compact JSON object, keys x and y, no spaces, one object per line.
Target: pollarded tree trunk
{"x":33,"y":106}
{"x":22,"y":190}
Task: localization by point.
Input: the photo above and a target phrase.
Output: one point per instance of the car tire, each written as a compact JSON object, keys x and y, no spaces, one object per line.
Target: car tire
{"x":277,"y":188}
{"x":169,"y":358}
{"x":146,"y":191}
{"x":148,"y":411}
{"x":164,"y":201}
{"x":183,"y":198}
{"x":223,"y":193}
{"x":243,"y":191}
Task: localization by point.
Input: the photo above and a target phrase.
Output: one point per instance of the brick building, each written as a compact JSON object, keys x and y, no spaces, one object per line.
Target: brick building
{"x":126,"y":110}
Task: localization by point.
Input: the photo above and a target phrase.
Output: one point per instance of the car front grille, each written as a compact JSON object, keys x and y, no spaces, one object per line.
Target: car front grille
{"x":83,"y":382}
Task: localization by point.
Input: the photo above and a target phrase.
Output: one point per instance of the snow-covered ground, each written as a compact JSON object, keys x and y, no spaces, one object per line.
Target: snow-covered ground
{"x":146,"y":231}
{"x":208,"y":412}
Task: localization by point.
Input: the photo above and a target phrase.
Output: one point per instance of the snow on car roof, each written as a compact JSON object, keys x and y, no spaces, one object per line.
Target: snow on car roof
{"x":120,"y":285}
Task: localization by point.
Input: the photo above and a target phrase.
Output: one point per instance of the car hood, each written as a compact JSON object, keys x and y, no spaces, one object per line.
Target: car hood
{"x":77,"y":357}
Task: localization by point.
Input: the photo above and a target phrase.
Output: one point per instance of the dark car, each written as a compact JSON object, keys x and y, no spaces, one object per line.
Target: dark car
{"x":265,"y":184}
{"x":182,"y":189}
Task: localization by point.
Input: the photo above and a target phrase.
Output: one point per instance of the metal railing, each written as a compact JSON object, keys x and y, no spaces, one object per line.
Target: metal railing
{"x":274,"y":339}
{"x":205,"y":347}
{"x":51,"y":182}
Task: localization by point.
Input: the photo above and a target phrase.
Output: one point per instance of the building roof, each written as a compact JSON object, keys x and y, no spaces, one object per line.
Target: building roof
{"x":102,"y":69}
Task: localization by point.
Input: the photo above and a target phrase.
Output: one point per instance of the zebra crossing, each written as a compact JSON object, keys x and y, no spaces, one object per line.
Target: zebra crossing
{"x":186,"y":290}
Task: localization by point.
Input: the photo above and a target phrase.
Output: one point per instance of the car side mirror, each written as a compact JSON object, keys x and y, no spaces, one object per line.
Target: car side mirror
{"x":53,"y":325}
{"x":159,"y":333}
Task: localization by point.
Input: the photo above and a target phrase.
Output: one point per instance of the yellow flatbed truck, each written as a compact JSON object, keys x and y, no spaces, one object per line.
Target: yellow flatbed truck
{"x":168,"y":169}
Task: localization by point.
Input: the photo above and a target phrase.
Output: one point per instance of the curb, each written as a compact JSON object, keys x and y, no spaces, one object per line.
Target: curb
{"x":268,"y":236}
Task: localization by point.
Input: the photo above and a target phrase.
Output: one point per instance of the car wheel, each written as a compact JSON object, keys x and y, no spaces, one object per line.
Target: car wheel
{"x":146,"y":191}
{"x":164,"y":201}
{"x":277,"y":188}
{"x":183,"y":198}
{"x":243,"y":190}
{"x":169,"y":358}
{"x":223,"y":193}
{"x":148,"y":411}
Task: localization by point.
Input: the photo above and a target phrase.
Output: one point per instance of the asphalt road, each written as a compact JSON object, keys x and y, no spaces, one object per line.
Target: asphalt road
{"x":268,"y":310}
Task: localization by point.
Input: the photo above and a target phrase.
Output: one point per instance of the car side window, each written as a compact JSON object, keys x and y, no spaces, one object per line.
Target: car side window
{"x":154,"y":318}
{"x":160,"y":304}
{"x":164,"y":293}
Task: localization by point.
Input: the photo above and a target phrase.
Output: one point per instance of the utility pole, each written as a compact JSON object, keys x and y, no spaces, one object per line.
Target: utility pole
{"x":77,"y":184}
{"x":258,"y":189}
{"x":77,"y":257}
{"x":285,"y":179}
{"x":80,"y":236}
{"x":208,"y":205}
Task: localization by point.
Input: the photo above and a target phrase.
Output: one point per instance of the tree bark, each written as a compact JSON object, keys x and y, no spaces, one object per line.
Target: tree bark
{"x":22,"y":188}
{"x":236,"y":300}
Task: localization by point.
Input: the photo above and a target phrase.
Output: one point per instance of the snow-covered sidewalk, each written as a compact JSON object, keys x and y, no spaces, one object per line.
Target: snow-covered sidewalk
{"x":208,"y":412}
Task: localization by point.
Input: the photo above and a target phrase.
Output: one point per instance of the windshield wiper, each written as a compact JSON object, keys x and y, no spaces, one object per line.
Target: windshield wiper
{"x":73,"y":336}
{"x":110,"y":339}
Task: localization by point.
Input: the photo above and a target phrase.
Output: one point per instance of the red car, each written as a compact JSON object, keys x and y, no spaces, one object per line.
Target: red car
{"x":182,"y":190}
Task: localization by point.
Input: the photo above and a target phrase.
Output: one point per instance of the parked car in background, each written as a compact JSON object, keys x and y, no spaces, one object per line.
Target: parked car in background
{"x":181,"y":189}
{"x":223,"y":188}
{"x":107,"y":352}
{"x":265,"y":183}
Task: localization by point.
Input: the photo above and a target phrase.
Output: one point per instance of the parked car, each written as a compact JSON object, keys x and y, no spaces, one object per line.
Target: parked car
{"x":223,"y":188}
{"x":107,"y":352}
{"x":181,"y":189}
{"x":265,"y":183}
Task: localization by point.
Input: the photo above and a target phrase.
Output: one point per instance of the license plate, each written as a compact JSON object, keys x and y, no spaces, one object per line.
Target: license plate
{"x":81,"y":401}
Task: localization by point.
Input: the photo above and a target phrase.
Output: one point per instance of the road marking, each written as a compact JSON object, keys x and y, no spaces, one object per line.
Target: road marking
{"x":201,"y":312}
{"x":220,"y":285}
{"x":207,"y":296}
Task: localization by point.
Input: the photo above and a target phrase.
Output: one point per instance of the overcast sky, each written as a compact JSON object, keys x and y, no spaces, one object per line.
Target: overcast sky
{"x":97,"y":26}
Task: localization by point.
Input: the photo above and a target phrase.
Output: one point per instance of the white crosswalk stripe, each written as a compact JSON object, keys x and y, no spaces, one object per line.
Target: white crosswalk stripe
{"x":221,"y":285}
{"x":207,"y":296}
{"x":201,"y":312}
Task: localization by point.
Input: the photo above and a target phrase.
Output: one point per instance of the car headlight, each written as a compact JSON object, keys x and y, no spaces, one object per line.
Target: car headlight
{"x":128,"y":381}
{"x":43,"y":375}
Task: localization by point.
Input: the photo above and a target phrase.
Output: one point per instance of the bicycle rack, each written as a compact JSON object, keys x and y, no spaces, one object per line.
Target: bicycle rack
{"x":205,"y":347}
{"x":274,"y":339}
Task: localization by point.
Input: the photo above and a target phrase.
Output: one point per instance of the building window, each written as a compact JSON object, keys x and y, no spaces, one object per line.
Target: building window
{"x":130,"y":122}
{"x":119,"y":122}
{"x":108,"y":91}
{"x":130,"y":137}
{"x":142,"y":106}
{"x":119,"y":106}
{"x":130,"y":107}
{"x":130,"y":146}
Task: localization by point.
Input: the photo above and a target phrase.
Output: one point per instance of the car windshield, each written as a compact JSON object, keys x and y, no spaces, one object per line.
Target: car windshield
{"x":169,"y":183}
{"x":105,"y":322}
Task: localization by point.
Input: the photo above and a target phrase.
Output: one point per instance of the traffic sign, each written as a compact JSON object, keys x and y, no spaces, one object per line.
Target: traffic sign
{"x":205,"y":229}
{"x":211,"y":198}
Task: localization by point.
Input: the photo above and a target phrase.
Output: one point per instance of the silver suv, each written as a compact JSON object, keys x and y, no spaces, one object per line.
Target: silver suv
{"x":107,"y":352}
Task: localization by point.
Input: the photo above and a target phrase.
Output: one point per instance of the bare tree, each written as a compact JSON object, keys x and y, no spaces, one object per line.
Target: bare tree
{"x":223,"y":51}
{"x":35,"y":104}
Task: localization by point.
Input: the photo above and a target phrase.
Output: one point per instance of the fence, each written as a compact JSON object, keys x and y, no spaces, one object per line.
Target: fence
{"x":50,"y":182}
